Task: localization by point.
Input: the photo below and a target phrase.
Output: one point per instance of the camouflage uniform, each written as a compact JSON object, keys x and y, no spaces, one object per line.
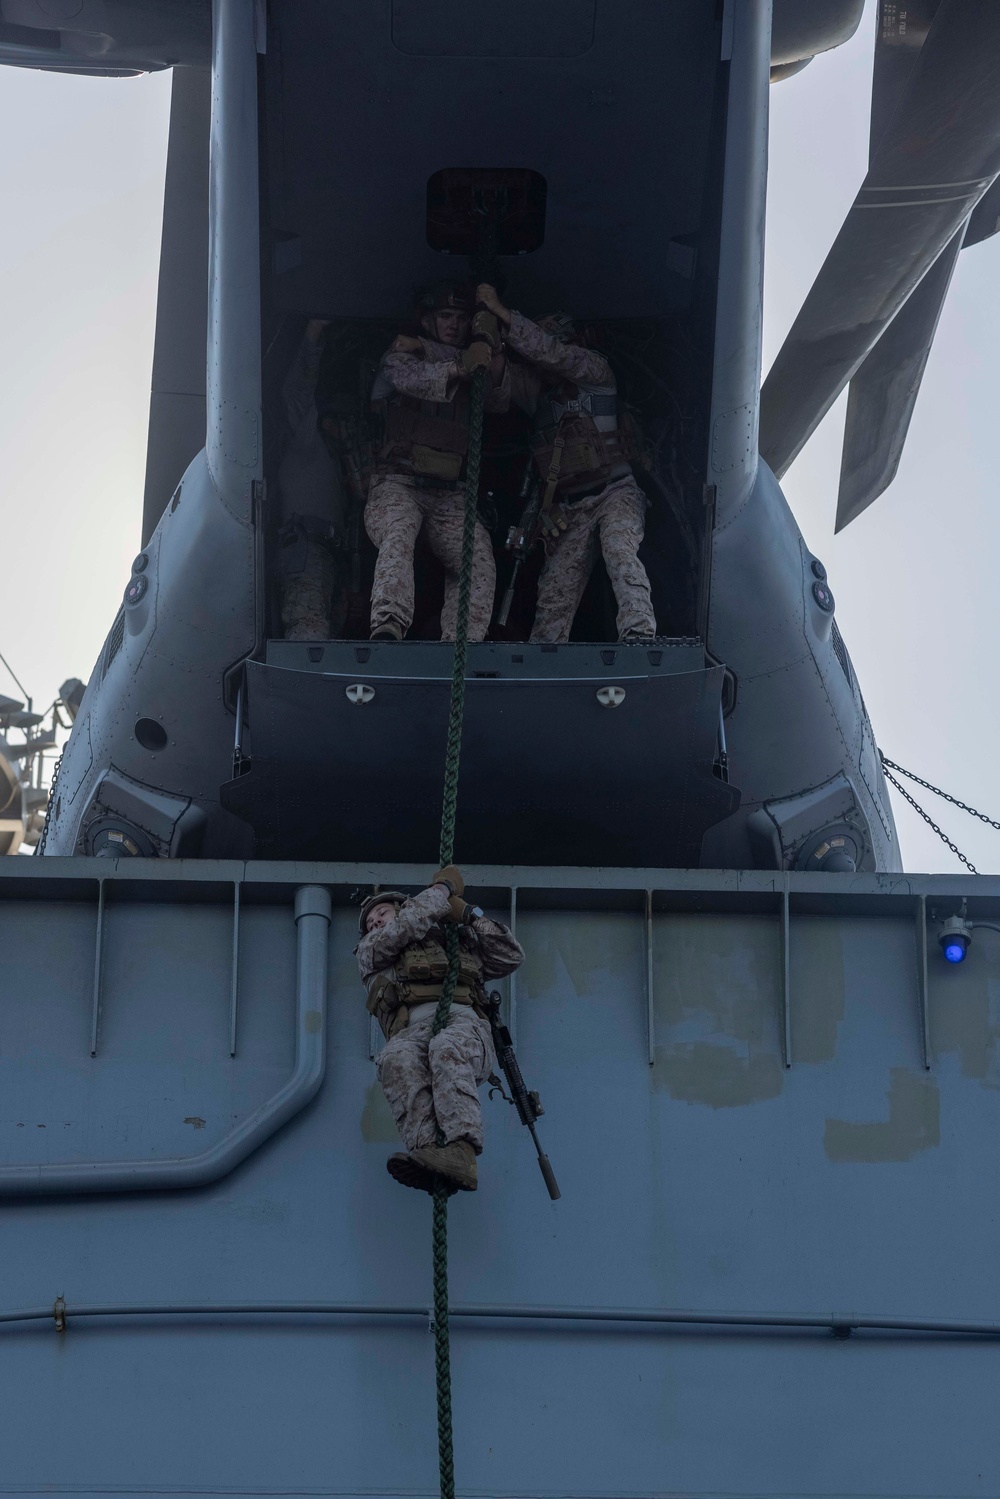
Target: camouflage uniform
{"x":617,"y":516}
{"x":432,"y":1082}
{"x":400,"y":503}
{"x":395,"y":512}
{"x":313,"y":509}
{"x":615,"y":513}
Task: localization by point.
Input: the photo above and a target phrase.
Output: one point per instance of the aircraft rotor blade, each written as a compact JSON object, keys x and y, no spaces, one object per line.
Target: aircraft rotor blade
{"x":901,"y":34}
{"x":884,"y":391}
{"x":937,"y":157}
{"x":985,"y":220}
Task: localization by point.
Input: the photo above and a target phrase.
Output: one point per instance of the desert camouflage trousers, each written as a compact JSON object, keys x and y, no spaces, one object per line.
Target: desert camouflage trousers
{"x":431,"y":1081}
{"x":617,"y":517}
{"x":394,"y":515}
{"x":307,"y":585}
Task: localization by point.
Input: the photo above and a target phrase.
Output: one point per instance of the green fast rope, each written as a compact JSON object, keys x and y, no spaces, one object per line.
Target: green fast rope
{"x":442,"y":1343}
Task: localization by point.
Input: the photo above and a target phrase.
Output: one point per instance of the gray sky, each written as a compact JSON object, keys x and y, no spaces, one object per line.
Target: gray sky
{"x":81,"y":183}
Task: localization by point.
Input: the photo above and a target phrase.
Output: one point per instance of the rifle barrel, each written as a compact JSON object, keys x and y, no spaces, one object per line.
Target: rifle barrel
{"x":508,"y":597}
{"x":545,"y":1167}
{"x":526,"y":1103}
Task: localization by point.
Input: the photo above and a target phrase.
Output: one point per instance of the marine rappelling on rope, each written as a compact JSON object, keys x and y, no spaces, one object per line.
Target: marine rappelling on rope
{"x":449,"y":1057}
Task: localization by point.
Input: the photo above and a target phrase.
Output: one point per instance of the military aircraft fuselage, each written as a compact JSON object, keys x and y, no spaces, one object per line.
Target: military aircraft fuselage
{"x":608,"y":161}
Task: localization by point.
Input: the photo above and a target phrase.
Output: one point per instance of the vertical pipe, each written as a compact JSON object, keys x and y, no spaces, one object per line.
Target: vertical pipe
{"x":732,"y":456}
{"x":312,"y":920}
{"x":786,"y":1000}
{"x":177,"y":396}
{"x":650,"y":1011}
{"x":922,"y":989}
{"x":95,"y":1008}
{"x":233,"y":377}
{"x":234,"y":987}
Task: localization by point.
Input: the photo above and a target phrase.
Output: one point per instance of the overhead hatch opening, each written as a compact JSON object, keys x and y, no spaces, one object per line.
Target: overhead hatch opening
{"x":481,"y":28}
{"x":533,"y":152}
{"x":461,"y":200}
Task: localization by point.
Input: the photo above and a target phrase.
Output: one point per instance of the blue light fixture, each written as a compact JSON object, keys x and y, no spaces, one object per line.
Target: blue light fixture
{"x":955,"y":934}
{"x":955,"y":937}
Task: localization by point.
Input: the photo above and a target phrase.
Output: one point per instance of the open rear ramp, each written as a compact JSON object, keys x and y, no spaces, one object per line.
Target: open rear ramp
{"x":570,"y":753}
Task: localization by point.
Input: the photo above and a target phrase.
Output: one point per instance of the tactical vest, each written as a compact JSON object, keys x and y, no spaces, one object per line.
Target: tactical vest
{"x":417,"y":978}
{"x":578,"y":432}
{"x":427,"y":438}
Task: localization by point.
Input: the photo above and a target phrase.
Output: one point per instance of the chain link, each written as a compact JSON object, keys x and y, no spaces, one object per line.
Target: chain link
{"x":53,"y":783}
{"x":927,"y":818}
{"x":962,"y":806}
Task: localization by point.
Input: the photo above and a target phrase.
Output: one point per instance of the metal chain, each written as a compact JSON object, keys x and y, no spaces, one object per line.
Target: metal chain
{"x":927,"y":818}
{"x":53,"y":783}
{"x":446,"y":853}
{"x":946,"y":796}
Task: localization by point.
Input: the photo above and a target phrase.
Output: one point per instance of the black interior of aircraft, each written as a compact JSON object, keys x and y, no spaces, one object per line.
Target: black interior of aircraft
{"x":484,"y":220}
{"x":606,"y":204}
{"x":650,"y":361}
{"x":586,"y":142}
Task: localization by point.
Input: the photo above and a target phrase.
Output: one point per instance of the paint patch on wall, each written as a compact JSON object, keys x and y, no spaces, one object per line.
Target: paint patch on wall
{"x":965,"y":1012}
{"x":817,"y":987}
{"x":377,"y":1123}
{"x":719,"y":1075}
{"x":717,"y":1003}
{"x":913,"y":1125}
{"x":577,"y":948}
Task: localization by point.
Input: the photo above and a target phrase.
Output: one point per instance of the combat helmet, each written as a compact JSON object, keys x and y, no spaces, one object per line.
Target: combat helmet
{"x":441,"y":296}
{"x":560,"y":325}
{"x":383,"y":897}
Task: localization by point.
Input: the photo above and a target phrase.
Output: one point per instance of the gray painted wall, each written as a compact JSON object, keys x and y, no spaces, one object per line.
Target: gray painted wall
{"x":856,"y":1180}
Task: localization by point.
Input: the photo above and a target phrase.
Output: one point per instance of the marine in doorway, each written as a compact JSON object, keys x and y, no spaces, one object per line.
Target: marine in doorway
{"x":313,"y":506}
{"x":431,"y":1082}
{"x":421,"y":391}
{"x":582,"y":448}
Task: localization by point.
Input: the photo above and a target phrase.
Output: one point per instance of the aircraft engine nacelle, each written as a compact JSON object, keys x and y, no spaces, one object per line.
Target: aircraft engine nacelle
{"x":800,"y":743}
{"x":153,"y":736}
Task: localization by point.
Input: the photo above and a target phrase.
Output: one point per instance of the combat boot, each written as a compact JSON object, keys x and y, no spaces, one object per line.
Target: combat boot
{"x":405,"y":1170}
{"x":455,"y":1162}
{"x":389,"y":631}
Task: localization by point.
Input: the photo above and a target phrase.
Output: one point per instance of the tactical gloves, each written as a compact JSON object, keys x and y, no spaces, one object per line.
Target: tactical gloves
{"x":476,"y":357}
{"x":553,"y":522}
{"x":486,"y":342}
{"x":451,"y":876}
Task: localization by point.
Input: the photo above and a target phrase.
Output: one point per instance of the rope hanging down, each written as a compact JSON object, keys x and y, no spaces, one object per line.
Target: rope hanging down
{"x":442,"y":1344}
{"x":889,"y":766}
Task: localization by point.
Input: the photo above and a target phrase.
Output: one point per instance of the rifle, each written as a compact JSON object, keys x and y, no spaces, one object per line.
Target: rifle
{"x":528,"y":1104}
{"x":521,"y":538}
